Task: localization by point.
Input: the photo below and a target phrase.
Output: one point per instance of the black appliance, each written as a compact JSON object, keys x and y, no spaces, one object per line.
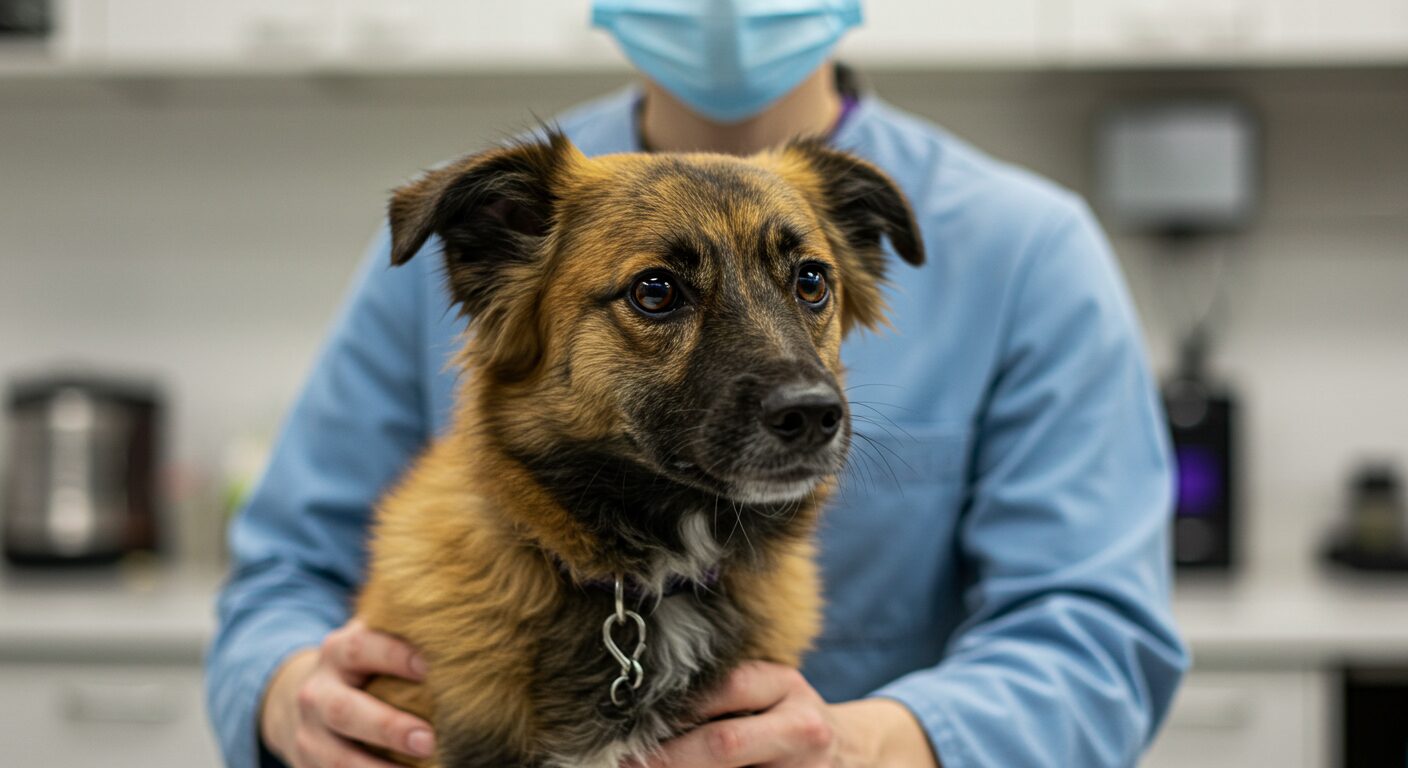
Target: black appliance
{"x":1374,"y":731}
{"x":25,"y":19}
{"x":1203,"y":425}
{"x":81,"y":481}
{"x":1374,"y":533}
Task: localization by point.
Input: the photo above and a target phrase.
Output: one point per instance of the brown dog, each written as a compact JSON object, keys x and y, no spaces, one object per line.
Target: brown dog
{"x":650,"y":418}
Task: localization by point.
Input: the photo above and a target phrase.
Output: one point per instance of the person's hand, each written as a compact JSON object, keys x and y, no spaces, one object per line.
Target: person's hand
{"x":315,"y":715}
{"x":782,"y":722}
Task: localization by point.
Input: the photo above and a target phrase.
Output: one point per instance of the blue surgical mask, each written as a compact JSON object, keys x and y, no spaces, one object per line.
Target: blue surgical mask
{"x":727,"y":59}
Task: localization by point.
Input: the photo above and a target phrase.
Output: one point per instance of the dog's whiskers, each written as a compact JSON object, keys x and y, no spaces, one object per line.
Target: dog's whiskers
{"x":882,"y":415}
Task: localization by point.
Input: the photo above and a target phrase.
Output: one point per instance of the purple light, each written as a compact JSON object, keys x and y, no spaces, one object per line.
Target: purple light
{"x":1200,"y":482}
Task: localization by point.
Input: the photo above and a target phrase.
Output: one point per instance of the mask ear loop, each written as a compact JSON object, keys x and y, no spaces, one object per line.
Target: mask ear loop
{"x":623,"y":688}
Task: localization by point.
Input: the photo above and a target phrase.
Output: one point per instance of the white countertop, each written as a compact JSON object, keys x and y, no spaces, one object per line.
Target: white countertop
{"x":166,"y":614}
{"x":1319,"y":617}
{"x":146,"y":613}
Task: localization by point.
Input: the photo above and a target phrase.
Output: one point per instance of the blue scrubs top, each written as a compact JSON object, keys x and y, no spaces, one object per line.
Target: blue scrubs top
{"x":997,"y":559}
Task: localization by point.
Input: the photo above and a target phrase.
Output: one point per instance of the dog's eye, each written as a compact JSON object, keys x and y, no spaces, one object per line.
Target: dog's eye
{"x":655,"y":294}
{"x":811,"y":284}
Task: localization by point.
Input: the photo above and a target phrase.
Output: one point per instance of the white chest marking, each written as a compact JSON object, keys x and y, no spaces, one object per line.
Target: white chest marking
{"x":701,"y":554}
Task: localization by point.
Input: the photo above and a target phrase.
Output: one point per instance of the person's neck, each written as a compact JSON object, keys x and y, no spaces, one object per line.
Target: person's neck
{"x":811,"y":109}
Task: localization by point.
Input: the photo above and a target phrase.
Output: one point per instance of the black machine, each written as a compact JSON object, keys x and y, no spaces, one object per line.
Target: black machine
{"x":1374,"y":731}
{"x":25,"y":19}
{"x":1203,"y":424}
{"x":1373,"y":536}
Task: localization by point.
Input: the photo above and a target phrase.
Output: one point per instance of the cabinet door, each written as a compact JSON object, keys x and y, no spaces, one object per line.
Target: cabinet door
{"x":80,"y":30}
{"x":141,"y":716}
{"x":542,"y":33}
{"x":1257,"y":31}
{"x":1352,"y":30}
{"x":217,"y":31}
{"x":928,"y":31}
{"x":1156,"y":29}
{"x":1237,"y":719}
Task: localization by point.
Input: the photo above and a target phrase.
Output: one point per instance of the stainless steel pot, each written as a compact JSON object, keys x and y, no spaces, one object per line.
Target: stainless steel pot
{"x":81,"y":484}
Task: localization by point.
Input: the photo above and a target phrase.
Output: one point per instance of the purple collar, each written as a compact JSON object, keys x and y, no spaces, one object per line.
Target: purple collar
{"x":849,"y":102}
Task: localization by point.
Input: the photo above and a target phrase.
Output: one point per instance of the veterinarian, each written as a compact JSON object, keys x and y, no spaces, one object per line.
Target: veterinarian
{"x":996,"y":570}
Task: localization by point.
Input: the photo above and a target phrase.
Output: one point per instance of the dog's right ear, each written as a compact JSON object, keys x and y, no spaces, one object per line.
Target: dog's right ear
{"x":862,"y":205}
{"x":491,"y":211}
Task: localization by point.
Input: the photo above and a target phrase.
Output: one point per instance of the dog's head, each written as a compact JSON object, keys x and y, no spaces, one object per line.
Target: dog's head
{"x":680,"y":315}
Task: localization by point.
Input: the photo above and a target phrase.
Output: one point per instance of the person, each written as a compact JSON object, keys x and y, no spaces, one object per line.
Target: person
{"x":996,"y":565}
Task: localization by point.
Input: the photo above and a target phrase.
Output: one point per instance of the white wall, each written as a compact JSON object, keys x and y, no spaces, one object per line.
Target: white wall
{"x":204,"y":231}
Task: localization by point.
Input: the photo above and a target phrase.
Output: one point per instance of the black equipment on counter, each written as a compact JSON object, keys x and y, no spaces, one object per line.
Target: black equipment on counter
{"x":1374,"y":533}
{"x":81,"y":483}
{"x":25,"y":19}
{"x":1203,"y":425}
{"x":1373,"y":730}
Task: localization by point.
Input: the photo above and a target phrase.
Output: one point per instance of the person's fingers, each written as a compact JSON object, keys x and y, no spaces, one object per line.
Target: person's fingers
{"x":280,"y":712}
{"x":324,"y":750}
{"x":781,"y":734}
{"x":754,"y":686}
{"x":362,"y":717}
{"x":357,"y":652}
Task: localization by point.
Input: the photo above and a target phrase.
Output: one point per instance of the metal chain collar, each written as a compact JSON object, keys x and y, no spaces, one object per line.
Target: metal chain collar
{"x":623,"y":688}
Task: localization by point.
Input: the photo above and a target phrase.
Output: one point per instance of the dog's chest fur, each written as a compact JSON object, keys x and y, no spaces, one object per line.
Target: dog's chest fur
{"x":691,"y":639}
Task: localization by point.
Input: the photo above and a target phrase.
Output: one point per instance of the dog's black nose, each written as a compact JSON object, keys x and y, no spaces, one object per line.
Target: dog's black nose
{"x":803,"y":415}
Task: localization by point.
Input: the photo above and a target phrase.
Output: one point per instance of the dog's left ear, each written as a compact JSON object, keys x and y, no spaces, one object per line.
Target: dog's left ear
{"x":494,"y":213}
{"x":863,"y":205}
{"x":491,"y":210}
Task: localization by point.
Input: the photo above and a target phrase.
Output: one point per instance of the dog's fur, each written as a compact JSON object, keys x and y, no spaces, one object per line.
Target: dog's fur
{"x":590,"y":439}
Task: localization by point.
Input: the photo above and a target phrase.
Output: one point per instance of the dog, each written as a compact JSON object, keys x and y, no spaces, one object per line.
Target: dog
{"x":650,"y":418}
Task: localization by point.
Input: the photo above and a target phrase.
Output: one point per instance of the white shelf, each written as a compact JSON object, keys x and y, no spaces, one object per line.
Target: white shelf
{"x":34,"y":68}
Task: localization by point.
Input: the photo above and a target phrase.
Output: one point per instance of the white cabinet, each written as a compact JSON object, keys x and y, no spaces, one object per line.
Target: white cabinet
{"x":1104,"y":28}
{"x":214,"y":31}
{"x":1338,"y":29}
{"x":113,"y":715}
{"x":1230,"y":31}
{"x":79,"y":30}
{"x":353,"y":34}
{"x":555,"y":35}
{"x":948,"y":30}
{"x":1234,"y":719}
{"x":489,"y":34}
{"x":1370,"y":23}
